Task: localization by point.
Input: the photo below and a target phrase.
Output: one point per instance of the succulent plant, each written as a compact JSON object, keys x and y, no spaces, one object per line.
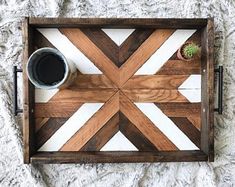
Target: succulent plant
{"x":190,"y":50}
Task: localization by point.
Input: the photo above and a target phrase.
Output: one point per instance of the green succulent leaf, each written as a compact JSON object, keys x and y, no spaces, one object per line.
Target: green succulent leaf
{"x":190,"y":50}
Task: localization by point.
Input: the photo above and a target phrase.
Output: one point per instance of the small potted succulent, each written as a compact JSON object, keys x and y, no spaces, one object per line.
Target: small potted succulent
{"x":188,"y":51}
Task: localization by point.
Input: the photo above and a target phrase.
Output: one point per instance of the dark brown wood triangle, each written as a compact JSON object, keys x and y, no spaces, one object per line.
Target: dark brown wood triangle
{"x":132,"y":43}
{"x":103,"y":135}
{"x":115,"y":53}
{"x":103,"y":42}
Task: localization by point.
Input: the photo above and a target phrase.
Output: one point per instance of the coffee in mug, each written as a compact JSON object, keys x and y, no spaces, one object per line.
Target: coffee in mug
{"x":47,"y":68}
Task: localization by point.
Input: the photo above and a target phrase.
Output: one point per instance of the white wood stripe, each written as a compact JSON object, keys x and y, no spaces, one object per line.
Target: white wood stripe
{"x":119,"y":143}
{"x":118,"y":35}
{"x":191,"y":88}
{"x":43,"y":96}
{"x":74,"y":123}
{"x":192,"y":82}
{"x":193,"y":96}
{"x":173,"y":133}
{"x":63,"y":44}
{"x":168,"y":48}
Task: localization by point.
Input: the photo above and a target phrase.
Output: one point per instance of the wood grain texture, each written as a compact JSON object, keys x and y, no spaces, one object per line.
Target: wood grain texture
{"x":39,"y":122}
{"x":103,"y":42}
{"x":150,"y":95}
{"x":139,"y":57}
{"x":188,"y":129}
{"x":92,"y":81}
{"x":83,"y":95}
{"x":176,"y":23}
{"x":103,"y":135}
{"x":210,"y":63}
{"x":180,"y":109}
{"x":48,"y":129}
{"x":56,"y":109}
{"x":82,"y":42}
{"x":28,"y":99}
{"x":195,"y":120}
{"x":155,"y":82}
{"x":132,"y":43}
{"x":149,"y":130}
{"x":207,"y":56}
{"x":117,"y":157}
{"x":93,"y":125}
{"x":179,"y":67}
{"x":40,"y":41}
{"x":135,"y":136}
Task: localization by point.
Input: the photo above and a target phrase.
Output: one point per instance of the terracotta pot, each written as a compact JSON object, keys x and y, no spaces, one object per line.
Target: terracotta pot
{"x":180,"y":56}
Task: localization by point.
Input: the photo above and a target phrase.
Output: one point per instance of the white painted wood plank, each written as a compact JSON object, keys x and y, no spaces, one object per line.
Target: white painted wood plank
{"x":63,"y":44}
{"x":193,"y":96}
{"x":192,"y":82}
{"x":168,"y":48}
{"x":173,"y":133}
{"x":74,"y":123}
{"x":43,"y":96}
{"x":191,"y":88}
{"x":118,"y":35}
{"x":119,"y":143}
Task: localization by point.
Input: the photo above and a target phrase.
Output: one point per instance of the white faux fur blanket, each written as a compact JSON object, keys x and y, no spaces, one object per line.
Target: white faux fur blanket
{"x":14,"y":173}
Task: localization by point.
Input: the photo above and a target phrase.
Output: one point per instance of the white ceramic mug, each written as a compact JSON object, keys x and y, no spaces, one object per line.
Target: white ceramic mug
{"x":47,"y":68}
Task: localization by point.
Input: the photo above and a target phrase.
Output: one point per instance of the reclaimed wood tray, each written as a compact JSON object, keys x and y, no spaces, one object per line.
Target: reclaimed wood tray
{"x":133,"y":100}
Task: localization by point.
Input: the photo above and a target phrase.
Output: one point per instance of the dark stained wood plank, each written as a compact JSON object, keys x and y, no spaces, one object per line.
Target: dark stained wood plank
{"x":93,"y":125}
{"x":118,"y":157}
{"x":210,"y":62}
{"x":150,"y":95}
{"x":83,"y":95}
{"x":39,"y":122}
{"x":92,"y":81}
{"x":207,"y":71}
{"x":179,"y":67}
{"x":180,"y":109}
{"x":188,"y":129}
{"x":102,"y":41}
{"x":40,"y":41}
{"x":196,"y":121}
{"x":48,"y":129}
{"x":103,"y":135}
{"x":28,"y":98}
{"x":134,"y":135}
{"x":132,"y":43}
{"x":56,"y":109}
{"x":155,"y":82}
{"x":145,"y":51}
{"x":148,"y":129}
{"x":82,"y":42}
{"x":176,"y":23}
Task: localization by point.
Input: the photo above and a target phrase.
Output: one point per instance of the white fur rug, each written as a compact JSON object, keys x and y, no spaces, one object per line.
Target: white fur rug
{"x":14,"y":173}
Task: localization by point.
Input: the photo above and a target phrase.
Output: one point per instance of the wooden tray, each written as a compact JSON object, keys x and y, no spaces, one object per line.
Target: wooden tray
{"x":133,"y":100}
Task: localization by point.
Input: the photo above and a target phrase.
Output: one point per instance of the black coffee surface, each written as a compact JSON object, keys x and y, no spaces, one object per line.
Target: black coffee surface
{"x":50,"y":69}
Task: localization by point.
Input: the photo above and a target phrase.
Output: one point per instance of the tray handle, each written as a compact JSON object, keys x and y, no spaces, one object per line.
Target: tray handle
{"x":15,"y":99}
{"x":219,"y":71}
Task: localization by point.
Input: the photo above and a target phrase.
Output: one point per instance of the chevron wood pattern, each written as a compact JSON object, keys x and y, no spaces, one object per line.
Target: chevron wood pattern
{"x":131,"y":92}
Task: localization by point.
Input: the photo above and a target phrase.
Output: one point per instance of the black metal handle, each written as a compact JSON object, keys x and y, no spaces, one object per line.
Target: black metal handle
{"x":16,"y":110}
{"x":219,"y":71}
